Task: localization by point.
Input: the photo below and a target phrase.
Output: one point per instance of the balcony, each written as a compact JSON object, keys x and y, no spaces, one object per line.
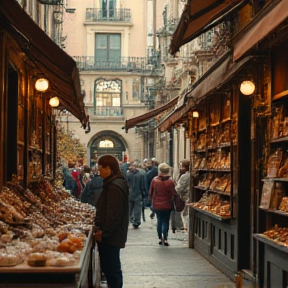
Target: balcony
{"x":125,"y":64}
{"x":106,"y":111}
{"x":119,"y":15}
{"x":51,"y":2}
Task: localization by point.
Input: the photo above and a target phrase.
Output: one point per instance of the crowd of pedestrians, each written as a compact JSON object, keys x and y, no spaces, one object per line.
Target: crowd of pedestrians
{"x":121,"y":192}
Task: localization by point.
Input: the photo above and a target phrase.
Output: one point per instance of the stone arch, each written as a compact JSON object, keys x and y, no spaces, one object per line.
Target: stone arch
{"x":119,"y":148}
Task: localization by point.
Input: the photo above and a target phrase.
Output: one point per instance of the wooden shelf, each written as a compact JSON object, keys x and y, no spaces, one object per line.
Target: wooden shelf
{"x":280,"y":95}
{"x":218,"y":217}
{"x":280,"y":139}
{"x":225,"y":120}
{"x":212,"y":170}
{"x":271,"y":242}
{"x":35,"y":148}
{"x":279,"y":212}
{"x":200,"y":150}
{"x":201,"y":188}
{"x":220,"y":146}
{"x":219,"y":192}
{"x":220,"y":122}
{"x":274,"y":179}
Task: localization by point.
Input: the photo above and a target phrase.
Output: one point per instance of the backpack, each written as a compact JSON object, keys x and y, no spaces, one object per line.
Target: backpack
{"x":179,"y":204}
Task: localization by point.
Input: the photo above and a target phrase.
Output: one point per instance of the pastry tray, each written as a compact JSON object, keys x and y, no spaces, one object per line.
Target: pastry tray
{"x":25,"y":268}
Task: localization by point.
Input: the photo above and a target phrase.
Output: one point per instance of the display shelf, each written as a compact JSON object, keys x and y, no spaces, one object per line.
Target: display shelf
{"x":49,"y":276}
{"x":199,"y":150}
{"x":271,"y":179}
{"x":270,"y":242}
{"x":35,"y":148}
{"x":201,"y":188}
{"x":280,"y":95}
{"x":225,"y":121}
{"x":280,"y":139}
{"x":211,"y":170}
{"x":275,"y":211}
{"x":215,"y":216}
{"x":220,"y":146}
{"x":202,"y":130}
{"x":219,"y":192}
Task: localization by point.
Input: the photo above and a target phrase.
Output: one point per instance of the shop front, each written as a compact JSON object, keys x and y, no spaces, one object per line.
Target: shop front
{"x":27,"y":131}
{"x":36,"y":216}
{"x":216,"y":116}
{"x":238,"y":217}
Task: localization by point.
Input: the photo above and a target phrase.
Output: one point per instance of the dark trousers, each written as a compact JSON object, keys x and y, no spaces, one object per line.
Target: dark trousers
{"x":110,"y":264}
{"x":163,"y":218}
{"x":135,"y":208}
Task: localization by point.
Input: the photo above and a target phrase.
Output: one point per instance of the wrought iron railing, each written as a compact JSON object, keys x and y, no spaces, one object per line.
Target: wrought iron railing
{"x":94,"y":14}
{"x":51,"y":2}
{"x":128,"y":64}
{"x":105,"y":111}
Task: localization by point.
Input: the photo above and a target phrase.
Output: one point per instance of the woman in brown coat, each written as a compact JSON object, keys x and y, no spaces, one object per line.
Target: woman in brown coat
{"x":162,"y":191}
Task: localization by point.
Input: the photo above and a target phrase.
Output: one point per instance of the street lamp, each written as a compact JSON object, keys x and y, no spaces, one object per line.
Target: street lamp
{"x":54,"y":102}
{"x":42,"y":84}
{"x":247,"y":87}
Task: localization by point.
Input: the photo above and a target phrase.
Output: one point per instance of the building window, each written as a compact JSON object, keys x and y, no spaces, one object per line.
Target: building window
{"x":106,"y":143}
{"x":136,"y":90}
{"x":107,"y":98}
{"x":108,"y":8}
{"x":108,"y":47}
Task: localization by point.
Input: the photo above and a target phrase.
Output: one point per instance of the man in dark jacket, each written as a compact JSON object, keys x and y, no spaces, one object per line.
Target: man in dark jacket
{"x":137,"y":192}
{"x":153,"y":172}
{"x":112,"y":219}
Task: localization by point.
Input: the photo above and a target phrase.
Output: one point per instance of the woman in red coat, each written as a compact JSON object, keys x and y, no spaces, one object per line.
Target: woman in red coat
{"x":162,"y":191}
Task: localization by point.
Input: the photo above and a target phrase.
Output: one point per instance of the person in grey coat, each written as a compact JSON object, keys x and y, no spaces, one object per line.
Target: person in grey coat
{"x":137,"y":192}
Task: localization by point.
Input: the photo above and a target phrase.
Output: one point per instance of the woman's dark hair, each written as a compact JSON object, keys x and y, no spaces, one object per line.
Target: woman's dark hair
{"x":111,"y":161}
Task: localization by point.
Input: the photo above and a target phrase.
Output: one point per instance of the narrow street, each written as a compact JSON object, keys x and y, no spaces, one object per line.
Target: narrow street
{"x":146,"y":264}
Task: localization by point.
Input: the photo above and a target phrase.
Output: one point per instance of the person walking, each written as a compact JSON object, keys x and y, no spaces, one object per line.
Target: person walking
{"x":124,"y":167}
{"x":182,"y":188}
{"x":153,"y":172}
{"x":112,"y":219}
{"x":92,"y":190}
{"x":137,"y":191}
{"x":162,"y":192}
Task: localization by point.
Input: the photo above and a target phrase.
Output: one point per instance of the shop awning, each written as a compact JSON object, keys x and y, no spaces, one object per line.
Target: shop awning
{"x":198,"y":17}
{"x":49,"y":59}
{"x":132,"y":122}
{"x":216,"y":76}
{"x":264,"y":22}
{"x":220,"y":73}
{"x":175,"y":116}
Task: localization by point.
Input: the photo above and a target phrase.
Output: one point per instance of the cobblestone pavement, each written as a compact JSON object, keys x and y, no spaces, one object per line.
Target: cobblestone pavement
{"x":146,"y":264}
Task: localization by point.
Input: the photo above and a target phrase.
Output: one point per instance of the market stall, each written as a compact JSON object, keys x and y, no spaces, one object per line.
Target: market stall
{"x":46,"y":238}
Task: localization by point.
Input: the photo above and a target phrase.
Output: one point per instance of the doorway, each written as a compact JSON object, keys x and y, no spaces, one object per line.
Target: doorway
{"x":107,"y":142}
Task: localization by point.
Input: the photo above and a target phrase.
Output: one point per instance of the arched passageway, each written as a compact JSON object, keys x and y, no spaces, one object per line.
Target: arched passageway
{"x":107,"y":142}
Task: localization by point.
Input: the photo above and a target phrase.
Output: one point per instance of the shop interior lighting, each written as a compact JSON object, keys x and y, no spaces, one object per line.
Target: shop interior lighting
{"x":42,"y":85}
{"x":247,"y":87}
{"x":54,"y":102}
{"x":195,"y":114}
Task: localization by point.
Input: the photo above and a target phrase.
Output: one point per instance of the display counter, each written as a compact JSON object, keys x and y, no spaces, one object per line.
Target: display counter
{"x":83,"y":275}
